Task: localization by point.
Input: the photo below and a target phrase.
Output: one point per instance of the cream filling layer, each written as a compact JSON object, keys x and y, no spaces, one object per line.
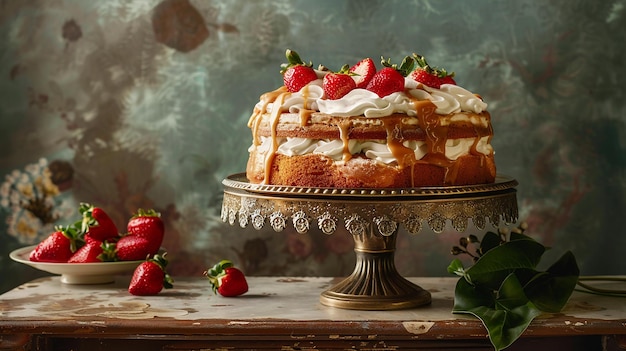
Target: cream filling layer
{"x":372,"y":149}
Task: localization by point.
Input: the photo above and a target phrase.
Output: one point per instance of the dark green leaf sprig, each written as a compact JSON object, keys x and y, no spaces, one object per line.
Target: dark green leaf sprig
{"x":504,"y":289}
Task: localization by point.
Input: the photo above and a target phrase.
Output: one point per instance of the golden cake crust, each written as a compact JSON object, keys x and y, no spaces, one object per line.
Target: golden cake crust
{"x":359,"y":172}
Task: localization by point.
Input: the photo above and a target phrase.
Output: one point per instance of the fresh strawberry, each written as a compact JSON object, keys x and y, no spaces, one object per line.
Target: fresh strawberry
{"x":227,"y":280}
{"x":386,"y":81}
{"x":133,"y":248}
{"x":96,"y":223}
{"x":150,"y":277}
{"x":390,"y":78}
{"x":336,"y":85}
{"x":430,"y":76}
{"x":448,"y":80}
{"x":94,"y":251}
{"x":428,"y":79}
{"x":363,"y":71}
{"x":147,"y":224}
{"x":296,"y":73}
{"x":58,"y":247}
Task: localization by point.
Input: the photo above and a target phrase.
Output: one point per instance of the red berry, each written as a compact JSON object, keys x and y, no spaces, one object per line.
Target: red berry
{"x":296,"y":77}
{"x":448,"y":80}
{"x":232,"y":283}
{"x":148,"y":224}
{"x":430,"y":76}
{"x":337,"y":85}
{"x":93,"y":251}
{"x":296,"y":73}
{"x":133,"y":248}
{"x":150,"y":277}
{"x":428,"y":79}
{"x":58,"y":247}
{"x":96,"y":223}
{"x":227,"y":280}
{"x":364,"y":71}
{"x":386,"y":81}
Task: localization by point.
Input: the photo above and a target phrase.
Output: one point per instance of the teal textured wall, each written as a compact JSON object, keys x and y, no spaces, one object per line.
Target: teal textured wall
{"x":144,"y":103}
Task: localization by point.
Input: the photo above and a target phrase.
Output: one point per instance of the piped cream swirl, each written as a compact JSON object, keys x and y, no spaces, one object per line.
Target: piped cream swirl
{"x":449,"y":98}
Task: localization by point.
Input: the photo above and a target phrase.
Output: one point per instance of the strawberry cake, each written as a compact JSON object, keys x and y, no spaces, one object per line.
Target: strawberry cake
{"x":403,"y":125}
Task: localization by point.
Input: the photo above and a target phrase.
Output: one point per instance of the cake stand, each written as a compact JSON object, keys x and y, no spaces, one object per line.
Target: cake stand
{"x":373,"y":218}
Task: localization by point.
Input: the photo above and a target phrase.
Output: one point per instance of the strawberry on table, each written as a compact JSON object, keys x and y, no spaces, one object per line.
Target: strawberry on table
{"x":363,"y":71}
{"x":133,"y":248}
{"x":149,"y":225}
{"x":390,"y":79}
{"x":227,"y":280}
{"x":150,"y":277}
{"x":94,"y":251}
{"x":337,"y":85}
{"x":296,"y":73}
{"x":430,"y":76}
{"x":96,"y":223}
{"x":58,"y":247}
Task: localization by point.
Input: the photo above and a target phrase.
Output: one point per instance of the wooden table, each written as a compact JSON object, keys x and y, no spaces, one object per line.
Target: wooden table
{"x":278,"y":313}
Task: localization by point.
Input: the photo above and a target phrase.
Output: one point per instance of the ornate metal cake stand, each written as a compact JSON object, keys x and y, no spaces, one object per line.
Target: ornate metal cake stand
{"x":373,"y":218}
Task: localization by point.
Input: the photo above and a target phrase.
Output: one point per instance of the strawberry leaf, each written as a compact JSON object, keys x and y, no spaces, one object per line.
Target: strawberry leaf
{"x":406,"y":66}
{"x":438,"y":72}
{"x":293,"y":59}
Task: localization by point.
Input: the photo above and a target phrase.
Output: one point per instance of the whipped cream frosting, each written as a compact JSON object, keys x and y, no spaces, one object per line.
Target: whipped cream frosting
{"x":377,"y":150}
{"x":449,"y":98}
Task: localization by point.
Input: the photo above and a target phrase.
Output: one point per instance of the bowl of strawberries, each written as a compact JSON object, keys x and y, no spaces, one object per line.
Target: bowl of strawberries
{"x":77,"y":273}
{"x":92,"y":250}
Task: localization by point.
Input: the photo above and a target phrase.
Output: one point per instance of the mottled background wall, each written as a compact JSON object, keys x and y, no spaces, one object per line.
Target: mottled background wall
{"x":144,"y":103}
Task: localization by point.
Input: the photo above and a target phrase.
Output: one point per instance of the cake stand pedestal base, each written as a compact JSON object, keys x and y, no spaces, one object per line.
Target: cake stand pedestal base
{"x":375,"y":284}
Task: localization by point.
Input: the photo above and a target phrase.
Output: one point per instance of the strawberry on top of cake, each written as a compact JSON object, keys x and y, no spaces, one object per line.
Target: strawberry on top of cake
{"x":397,"y":126}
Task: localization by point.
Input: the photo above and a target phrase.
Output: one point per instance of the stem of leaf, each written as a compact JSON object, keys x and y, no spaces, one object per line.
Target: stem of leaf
{"x":600,"y":291}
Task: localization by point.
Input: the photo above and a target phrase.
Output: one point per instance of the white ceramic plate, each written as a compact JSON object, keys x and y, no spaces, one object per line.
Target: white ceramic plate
{"x":77,"y":273}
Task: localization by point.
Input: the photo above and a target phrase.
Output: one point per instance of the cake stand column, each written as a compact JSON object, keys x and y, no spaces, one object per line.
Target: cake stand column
{"x":375,"y":284}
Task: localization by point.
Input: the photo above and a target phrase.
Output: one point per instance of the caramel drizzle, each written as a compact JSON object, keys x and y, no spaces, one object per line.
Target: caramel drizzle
{"x":344,"y":131}
{"x":277,"y":97}
{"x":436,"y":139}
{"x":479,"y":135}
{"x":255,"y":119}
{"x":305,"y":113}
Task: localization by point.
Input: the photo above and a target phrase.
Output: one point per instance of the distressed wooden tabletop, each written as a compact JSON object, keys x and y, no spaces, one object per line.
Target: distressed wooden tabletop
{"x":287,"y":305}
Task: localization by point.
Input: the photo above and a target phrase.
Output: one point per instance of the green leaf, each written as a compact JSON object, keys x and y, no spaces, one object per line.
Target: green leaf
{"x":456,"y":267}
{"x":550,"y":291}
{"x":519,"y":236}
{"x":468,"y":297}
{"x":490,"y":241}
{"x":505,"y":314}
{"x":505,"y":291}
{"x":496,"y":264}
